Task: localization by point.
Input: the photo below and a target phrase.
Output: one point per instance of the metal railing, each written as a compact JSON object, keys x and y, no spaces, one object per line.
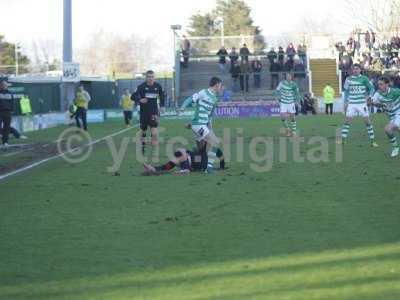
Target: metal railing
{"x":243,"y":86}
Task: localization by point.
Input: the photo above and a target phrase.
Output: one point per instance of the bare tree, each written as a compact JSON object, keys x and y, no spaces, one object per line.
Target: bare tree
{"x":381,"y":16}
{"x":90,"y":56}
{"x":108,"y":53}
{"x":46,"y":55}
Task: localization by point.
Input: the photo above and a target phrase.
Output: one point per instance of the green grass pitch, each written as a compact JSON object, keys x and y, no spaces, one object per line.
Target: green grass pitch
{"x":302,"y":231}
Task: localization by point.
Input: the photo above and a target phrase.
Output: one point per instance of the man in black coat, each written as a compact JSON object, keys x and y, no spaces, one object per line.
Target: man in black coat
{"x":6,"y":108}
{"x":272,"y":55}
{"x":235,"y":73}
{"x":275,"y":69}
{"x":244,"y":53}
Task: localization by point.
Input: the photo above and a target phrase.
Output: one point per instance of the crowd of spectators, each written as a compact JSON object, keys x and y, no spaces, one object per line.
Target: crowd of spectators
{"x":242,"y":65}
{"x":265,"y":69}
{"x":374,"y":56}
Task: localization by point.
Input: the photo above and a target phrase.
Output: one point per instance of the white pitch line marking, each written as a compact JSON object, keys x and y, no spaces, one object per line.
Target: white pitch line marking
{"x":40,"y":162}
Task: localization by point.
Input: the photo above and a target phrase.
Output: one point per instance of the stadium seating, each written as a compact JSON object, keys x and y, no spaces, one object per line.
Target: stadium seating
{"x":197,"y":76}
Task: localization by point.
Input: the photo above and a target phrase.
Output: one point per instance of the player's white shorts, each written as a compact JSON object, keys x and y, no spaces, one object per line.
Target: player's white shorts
{"x":288,"y":108}
{"x":200,"y":132}
{"x":354,"y":110}
{"x":396,"y":120}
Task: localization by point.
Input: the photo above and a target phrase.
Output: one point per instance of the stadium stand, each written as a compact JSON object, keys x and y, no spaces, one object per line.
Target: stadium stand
{"x":196,"y":76}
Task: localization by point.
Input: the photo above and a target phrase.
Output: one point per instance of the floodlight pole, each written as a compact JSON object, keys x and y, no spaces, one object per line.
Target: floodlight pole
{"x":222,"y":32}
{"x":67,"y":37}
{"x":175,"y":29}
{"x":220,"y":21}
{"x":67,"y":89}
{"x":16,"y":48}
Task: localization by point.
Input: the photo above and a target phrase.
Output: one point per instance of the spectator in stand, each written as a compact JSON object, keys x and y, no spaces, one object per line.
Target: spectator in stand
{"x":290,"y":51}
{"x":275,"y":69}
{"x":222,"y":53}
{"x":395,"y":42}
{"x":281,"y":56}
{"x":244,"y":53}
{"x":329,"y":98}
{"x":357,"y":46}
{"x":351,"y":47}
{"x":345,"y":66}
{"x":368,"y":42}
{"x":395,"y":63}
{"x":256,"y":67}
{"x":272,"y":55}
{"x":185,"y":51}
{"x":299,"y":72}
{"x":366,"y":61}
{"x":396,"y":81}
{"x":235,"y":73}
{"x":373,"y":37}
{"x":233,"y":56}
{"x":386,"y":55}
{"x":308,"y":104}
{"x":244,"y":75}
{"x":302,"y":53}
{"x":341,"y":49}
{"x":350,"y":43}
{"x":289,"y":65}
{"x":377,"y":65}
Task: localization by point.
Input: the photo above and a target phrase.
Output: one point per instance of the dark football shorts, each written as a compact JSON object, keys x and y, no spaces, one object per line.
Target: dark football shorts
{"x":147,"y":121}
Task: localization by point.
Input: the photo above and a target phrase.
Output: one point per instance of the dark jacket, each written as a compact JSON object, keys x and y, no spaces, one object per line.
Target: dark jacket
{"x":6,"y":100}
{"x":235,"y":71}
{"x":281,"y":55}
{"x":288,"y":67}
{"x":256,"y":66}
{"x":222,"y":53}
{"x":272,"y":55}
{"x":275,"y":68}
{"x":300,"y":71}
{"x":244,"y":53}
{"x":152,"y":93}
{"x":233,"y":56}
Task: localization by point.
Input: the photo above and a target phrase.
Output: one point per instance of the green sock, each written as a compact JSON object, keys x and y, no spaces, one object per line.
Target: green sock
{"x":212,"y":156}
{"x":371,"y":134}
{"x":345,"y":131}
{"x":293,"y":126}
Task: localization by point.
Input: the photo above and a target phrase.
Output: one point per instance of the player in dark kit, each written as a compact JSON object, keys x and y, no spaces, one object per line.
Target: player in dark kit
{"x":147,"y":95}
{"x":188,"y":161}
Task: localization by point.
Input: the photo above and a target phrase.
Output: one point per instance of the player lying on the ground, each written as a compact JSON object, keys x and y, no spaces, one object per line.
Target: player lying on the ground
{"x":188,"y":161}
{"x":388,"y":98}
{"x":357,"y":89}
{"x":288,"y":96}
{"x":205,"y":103}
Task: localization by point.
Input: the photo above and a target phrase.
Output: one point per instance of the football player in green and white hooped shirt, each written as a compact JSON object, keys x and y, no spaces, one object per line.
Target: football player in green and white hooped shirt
{"x":288,"y":96}
{"x":388,"y":98}
{"x":205,"y":103}
{"x":357,"y":89}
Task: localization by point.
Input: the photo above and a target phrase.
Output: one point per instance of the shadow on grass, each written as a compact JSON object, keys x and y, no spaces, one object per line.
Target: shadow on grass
{"x":274,"y":268}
